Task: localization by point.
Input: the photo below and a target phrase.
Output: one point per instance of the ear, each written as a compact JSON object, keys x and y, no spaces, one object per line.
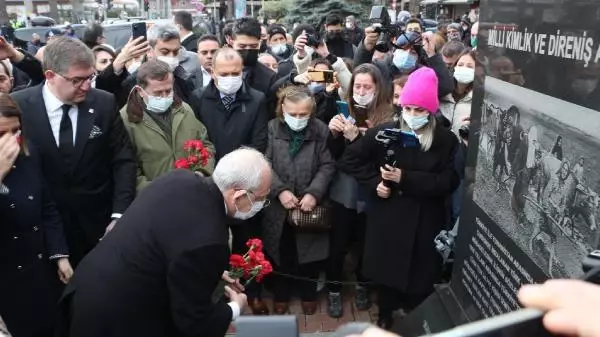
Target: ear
{"x":49,"y":74}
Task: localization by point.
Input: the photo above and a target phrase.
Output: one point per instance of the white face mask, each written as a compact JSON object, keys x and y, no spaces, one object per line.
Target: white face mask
{"x":464,"y":75}
{"x":279,"y":48}
{"x":158,"y":104}
{"x":296,"y":124}
{"x":349,"y":25}
{"x":173,"y":62}
{"x":229,"y":85}
{"x":134,"y":67}
{"x":364,"y":100}
{"x":257,"y":206}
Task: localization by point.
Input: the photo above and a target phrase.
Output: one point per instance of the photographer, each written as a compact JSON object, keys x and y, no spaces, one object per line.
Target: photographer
{"x":408,"y":56}
{"x":334,"y":37}
{"x":406,"y":197}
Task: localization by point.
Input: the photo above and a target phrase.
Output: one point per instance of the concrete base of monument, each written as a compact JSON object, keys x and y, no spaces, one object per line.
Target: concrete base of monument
{"x":439,"y":312}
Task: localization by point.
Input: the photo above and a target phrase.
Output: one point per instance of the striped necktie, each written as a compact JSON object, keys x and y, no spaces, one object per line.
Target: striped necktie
{"x":227,"y":101}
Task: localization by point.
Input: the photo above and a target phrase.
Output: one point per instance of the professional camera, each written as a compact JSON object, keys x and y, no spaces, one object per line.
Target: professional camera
{"x":314,"y":40}
{"x":381,"y":21}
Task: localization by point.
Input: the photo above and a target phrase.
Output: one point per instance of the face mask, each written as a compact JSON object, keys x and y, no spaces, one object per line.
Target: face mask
{"x":134,"y":67}
{"x":316,"y":88}
{"x":349,"y":25}
{"x":158,"y":104}
{"x":296,"y":124}
{"x":309,"y":50}
{"x":250,"y":56}
{"x":415,"y":123}
{"x":171,"y":61}
{"x":229,"y":85}
{"x":257,"y":206}
{"x":474,"y":41}
{"x":363,"y":100}
{"x":334,"y":36}
{"x":404,"y":60}
{"x":464,"y":75}
{"x":453,"y":36}
{"x":279,"y":49}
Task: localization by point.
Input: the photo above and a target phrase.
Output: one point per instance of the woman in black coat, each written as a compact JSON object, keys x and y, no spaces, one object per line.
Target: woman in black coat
{"x":32,"y":246}
{"x":407,"y":211}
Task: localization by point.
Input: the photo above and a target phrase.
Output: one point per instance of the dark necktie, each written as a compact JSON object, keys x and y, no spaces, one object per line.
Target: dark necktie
{"x":65,"y":135}
{"x":227,"y":101}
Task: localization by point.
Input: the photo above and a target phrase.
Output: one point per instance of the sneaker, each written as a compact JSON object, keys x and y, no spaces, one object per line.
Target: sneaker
{"x":362,"y":300}
{"x":335,"y":308}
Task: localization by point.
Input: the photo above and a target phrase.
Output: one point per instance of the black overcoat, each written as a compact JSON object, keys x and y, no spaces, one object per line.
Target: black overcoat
{"x":154,"y":274}
{"x":399,"y":249}
{"x":30,"y":233}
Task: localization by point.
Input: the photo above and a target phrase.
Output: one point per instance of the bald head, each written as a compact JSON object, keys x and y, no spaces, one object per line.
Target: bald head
{"x":227,"y":62}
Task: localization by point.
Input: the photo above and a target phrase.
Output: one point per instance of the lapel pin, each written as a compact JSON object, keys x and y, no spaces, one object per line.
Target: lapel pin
{"x":91,"y":111}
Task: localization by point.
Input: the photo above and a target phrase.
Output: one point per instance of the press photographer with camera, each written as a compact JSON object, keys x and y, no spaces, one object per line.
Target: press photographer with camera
{"x":411,"y":177}
{"x":412,"y":50}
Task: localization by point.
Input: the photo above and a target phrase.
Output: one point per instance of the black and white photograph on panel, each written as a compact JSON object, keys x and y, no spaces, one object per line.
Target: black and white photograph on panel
{"x":536,"y":175}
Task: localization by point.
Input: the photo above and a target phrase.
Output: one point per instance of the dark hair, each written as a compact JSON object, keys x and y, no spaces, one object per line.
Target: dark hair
{"x":227,"y":32}
{"x":208,"y":37}
{"x":246,"y":26}
{"x":453,"y":48}
{"x":104,"y":48}
{"x":8,"y":109}
{"x":400,"y":80}
{"x":303,"y":27}
{"x":381,"y":109}
{"x":415,"y":20}
{"x":333,"y":20}
{"x":314,"y":63}
{"x":478,"y":64}
{"x":185,"y":20}
{"x":152,"y":70}
{"x":275,"y":29}
{"x":91,"y":34}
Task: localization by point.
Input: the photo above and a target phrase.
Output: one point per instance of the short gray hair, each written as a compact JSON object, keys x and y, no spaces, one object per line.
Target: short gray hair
{"x":64,"y":52}
{"x":242,"y":168}
{"x":163,"y":32}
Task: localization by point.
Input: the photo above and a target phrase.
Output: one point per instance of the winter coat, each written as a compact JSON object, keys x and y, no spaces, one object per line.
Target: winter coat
{"x":308,"y":172}
{"x":456,"y":111}
{"x":399,"y":250}
{"x":344,"y":75}
{"x":155,"y":152}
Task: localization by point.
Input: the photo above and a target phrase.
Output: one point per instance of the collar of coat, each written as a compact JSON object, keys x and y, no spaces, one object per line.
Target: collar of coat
{"x":242,"y":95}
{"x":281,"y":130}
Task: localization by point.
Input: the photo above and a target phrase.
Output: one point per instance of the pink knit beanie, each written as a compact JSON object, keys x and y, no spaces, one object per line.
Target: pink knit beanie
{"x":421,"y":89}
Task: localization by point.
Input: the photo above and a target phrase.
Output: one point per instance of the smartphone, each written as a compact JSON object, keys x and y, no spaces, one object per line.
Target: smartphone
{"x":321,"y":76}
{"x":520,"y":323}
{"x":361,"y":115}
{"x":267,"y":326}
{"x":342,"y":108}
{"x":138,"y":29}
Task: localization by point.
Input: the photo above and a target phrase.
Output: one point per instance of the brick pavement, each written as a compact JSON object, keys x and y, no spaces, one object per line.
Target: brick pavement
{"x":320,"y":321}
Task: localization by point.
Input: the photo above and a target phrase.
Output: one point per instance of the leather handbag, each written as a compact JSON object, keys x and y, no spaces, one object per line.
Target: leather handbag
{"x":317,"y":220}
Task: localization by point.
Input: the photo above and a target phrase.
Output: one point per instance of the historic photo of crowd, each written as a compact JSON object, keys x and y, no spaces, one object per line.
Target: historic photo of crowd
{"x":537,"y":174}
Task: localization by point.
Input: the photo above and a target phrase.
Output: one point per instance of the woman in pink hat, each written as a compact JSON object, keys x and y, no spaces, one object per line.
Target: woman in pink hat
{"x":406,"y":205}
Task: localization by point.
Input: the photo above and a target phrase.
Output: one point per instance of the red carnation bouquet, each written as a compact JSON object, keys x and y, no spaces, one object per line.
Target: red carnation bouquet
{"x":197,"y":156}
{"x":252,"y":265}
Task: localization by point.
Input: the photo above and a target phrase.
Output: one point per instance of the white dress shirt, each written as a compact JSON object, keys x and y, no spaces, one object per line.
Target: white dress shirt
{"x":55,"y":112}
{"x":206,"y":77}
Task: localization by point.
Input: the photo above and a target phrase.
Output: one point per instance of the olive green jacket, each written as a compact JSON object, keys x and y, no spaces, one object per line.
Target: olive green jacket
{"x":155,"y":156}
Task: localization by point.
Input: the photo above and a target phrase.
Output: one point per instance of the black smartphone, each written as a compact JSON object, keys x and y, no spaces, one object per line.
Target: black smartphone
{"x":138,"y":29}
{"x":266,"y":326}
{"x":520,"y":323}
{"x":321,"y":76}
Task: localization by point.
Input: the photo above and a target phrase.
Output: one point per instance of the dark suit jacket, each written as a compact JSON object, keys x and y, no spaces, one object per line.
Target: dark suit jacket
{"x":154,"y":274}
{"x":244,"y":125}
{"x":190,"y":43}
{"x":103,"y":176}
{"x":31,"y":232}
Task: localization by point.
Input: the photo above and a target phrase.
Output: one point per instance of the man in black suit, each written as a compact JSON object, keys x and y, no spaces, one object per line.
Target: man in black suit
{"x":154,"y":275}
{"x":183,"y":21}
{"x":87,"y":158}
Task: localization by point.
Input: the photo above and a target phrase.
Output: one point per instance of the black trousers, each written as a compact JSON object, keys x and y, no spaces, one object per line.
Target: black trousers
{"x":241,"y":231}
{"x":348,"y":226}
{"x":288,"y":264}
{"x":390,"y":299}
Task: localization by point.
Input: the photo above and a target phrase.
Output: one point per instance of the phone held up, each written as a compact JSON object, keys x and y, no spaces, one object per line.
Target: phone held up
{"x":321,"y":76}
{"x":138,"y":29}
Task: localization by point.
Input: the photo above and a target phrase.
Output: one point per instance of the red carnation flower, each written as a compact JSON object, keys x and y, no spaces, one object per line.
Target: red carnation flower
{"x":237,"y":261}
{"x":255,"y":244}
{"x":182,"y":163}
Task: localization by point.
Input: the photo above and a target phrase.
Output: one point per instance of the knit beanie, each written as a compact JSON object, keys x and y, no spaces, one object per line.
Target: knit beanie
{"x":421,"y":89}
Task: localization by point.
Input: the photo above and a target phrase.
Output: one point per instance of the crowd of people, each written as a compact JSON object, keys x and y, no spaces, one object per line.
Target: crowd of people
{"x":90,"y":196}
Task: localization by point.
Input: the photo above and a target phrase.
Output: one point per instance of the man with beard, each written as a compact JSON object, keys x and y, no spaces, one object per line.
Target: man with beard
{"x":334,"y":37}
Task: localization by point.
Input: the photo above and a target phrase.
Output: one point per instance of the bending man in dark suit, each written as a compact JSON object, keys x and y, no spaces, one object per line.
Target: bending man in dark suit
{"x":155,"y":273}
{"x":87,"y":158}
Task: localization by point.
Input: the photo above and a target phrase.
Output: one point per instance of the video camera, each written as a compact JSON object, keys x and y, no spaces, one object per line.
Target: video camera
{"x":381,"y":21}
{"x":393,"y":138}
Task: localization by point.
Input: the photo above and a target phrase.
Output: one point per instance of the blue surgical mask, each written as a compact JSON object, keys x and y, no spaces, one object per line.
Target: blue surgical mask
{"x":316,"y":88}
{"x":404,"y":59}
{"x":415,"y":122}
{"x":158,"y":104}
{"x":296,"y":124}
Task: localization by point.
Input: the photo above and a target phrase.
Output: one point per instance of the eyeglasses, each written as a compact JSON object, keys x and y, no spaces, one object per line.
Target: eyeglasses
{"x":78,"y":81}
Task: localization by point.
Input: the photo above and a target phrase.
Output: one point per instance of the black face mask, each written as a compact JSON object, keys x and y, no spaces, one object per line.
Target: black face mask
{"x":334,"y":36}
{"x":263,"y":46}
{"x":250,"y":56}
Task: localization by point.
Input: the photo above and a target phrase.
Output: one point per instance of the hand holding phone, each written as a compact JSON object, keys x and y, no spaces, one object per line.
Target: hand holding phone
{"x":321,"y":76}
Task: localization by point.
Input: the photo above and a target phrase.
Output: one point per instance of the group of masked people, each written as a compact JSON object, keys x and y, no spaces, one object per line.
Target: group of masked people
{"x":95,"y":128}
